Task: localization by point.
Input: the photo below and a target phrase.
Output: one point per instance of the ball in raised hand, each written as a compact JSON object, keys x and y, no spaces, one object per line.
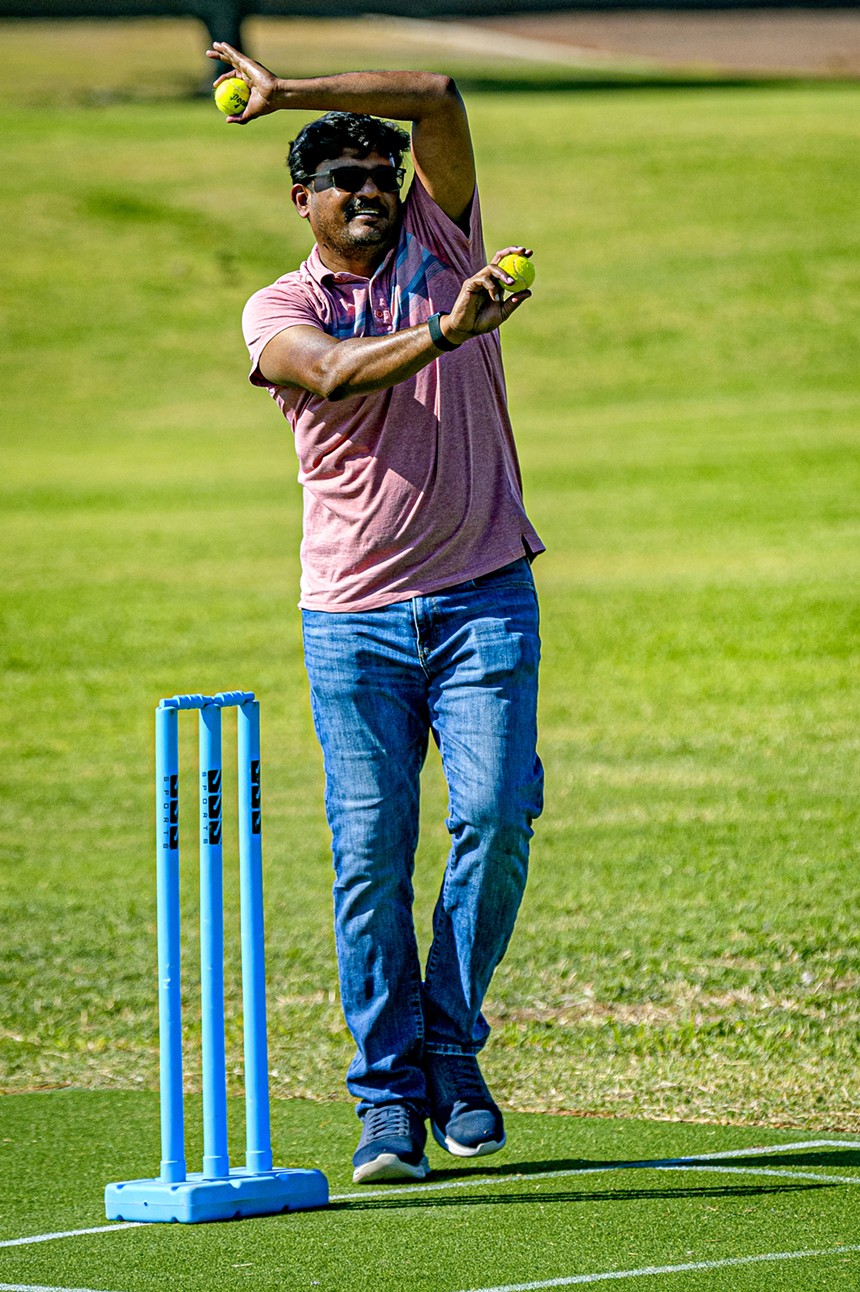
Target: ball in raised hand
{"x":232,"y":95}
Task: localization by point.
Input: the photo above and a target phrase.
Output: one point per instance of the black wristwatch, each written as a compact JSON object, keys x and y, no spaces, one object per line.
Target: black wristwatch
{"x":437,"y":336}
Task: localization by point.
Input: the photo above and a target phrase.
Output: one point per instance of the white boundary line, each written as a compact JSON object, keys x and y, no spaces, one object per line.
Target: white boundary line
{"x":698,"y":1162}
{"x":765,"y":1150}
{"x":69,"y":1233}
{"x":38,"y":1287}
{"x":668,"y":1167}
{"x":728,"y":1263}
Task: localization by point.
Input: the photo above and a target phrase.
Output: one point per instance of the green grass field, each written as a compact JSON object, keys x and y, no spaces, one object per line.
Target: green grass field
{"x":685,"y":391}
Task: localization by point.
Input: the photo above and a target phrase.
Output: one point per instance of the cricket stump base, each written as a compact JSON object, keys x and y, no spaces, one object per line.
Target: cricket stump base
{"x":196,"y":1200}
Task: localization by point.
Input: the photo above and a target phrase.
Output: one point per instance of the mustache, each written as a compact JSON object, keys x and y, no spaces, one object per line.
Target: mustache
{"x":363,"y":206}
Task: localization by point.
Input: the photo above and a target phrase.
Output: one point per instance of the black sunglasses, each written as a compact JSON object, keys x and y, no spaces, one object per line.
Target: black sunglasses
{"x":352,"y":179}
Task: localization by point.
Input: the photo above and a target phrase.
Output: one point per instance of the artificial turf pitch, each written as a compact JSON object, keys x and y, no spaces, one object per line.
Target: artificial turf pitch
{"x":564,"y":1202}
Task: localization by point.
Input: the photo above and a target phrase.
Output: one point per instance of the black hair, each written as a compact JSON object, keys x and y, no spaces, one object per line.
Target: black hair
{"x":330,"y":136}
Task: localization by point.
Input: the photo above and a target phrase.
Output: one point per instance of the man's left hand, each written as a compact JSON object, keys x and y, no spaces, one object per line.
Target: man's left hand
{"x":481,"y":305}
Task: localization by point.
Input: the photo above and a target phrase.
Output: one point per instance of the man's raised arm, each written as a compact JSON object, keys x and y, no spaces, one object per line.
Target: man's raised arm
{"x":441,"y":143}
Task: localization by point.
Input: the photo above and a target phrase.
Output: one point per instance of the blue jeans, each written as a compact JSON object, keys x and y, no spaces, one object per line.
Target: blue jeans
{"x":461,"y":664}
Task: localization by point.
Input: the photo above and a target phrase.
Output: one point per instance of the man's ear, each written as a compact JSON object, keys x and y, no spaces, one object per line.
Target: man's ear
{"x":300,"y":196}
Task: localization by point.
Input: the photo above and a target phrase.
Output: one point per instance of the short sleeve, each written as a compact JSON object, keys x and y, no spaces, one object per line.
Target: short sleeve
{"x":287,"y":303}
{"x":441,"y":235}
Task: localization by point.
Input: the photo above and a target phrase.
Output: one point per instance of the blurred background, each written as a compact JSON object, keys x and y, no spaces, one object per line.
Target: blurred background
{"x":685,"y":389}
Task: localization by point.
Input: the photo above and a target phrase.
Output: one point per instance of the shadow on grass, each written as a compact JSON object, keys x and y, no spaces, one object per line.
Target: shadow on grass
{"x":845,"y":1157}
{"x":621,"y":1194}
{"x":836,"y":1158}
{"x":530,"y":1173}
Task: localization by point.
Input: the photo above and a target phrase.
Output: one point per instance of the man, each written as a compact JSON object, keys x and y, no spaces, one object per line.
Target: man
{"x":419,"y":612}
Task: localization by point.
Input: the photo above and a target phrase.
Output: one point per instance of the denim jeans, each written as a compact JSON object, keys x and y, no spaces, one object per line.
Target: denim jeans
{"x":462,"y":665}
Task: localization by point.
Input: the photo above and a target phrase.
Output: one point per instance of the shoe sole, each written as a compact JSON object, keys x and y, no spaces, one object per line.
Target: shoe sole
{"x":388,"y":1166}
{"x":466,"y":1150}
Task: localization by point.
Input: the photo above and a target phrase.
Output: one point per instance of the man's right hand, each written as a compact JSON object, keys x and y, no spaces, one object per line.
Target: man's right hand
{"x":481,"y":305}
{"x":262,"y":82}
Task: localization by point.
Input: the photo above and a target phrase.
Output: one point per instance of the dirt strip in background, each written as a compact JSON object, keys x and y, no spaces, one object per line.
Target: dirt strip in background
{"x":820,"y":42}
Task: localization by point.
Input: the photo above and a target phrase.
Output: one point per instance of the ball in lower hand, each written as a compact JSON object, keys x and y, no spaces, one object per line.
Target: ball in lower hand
{"x":232,"y":95}
{"x":520,"y":269}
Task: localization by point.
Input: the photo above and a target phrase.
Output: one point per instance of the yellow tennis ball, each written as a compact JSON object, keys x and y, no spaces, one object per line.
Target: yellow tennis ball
{"x":520,"y":269}
{"x":231,"y":96}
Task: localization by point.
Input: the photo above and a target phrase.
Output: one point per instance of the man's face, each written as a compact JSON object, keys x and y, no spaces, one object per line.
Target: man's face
{"x":346,"y":222}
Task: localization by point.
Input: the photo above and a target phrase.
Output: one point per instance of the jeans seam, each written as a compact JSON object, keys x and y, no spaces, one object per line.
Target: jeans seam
{"x":419,"y":647}
{"x":444,"y":1047}
{"x":418,"y":1009}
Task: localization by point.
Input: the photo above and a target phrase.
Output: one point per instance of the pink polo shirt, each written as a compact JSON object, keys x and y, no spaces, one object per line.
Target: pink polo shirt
{"x":415,"y":488}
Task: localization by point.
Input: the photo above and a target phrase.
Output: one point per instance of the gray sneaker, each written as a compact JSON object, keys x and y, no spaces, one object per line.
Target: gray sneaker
{"x":465,"y":1119}
{"x":391,"y":1145}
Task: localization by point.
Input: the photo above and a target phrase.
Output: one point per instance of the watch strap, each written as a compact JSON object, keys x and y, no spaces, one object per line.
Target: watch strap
{"x":437,"y":336}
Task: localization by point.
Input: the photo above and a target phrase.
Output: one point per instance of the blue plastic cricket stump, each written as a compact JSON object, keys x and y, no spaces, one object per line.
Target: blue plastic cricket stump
{"x":195,"y":1200}
{"x":219,"y":1191}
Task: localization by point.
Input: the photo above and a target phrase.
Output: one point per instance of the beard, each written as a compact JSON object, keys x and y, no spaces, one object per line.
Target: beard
{"x":379,"y":231}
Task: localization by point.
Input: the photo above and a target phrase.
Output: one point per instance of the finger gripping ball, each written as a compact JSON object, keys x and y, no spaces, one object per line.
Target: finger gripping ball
{"x":520,"y":269}
{"x":231,"y":96}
